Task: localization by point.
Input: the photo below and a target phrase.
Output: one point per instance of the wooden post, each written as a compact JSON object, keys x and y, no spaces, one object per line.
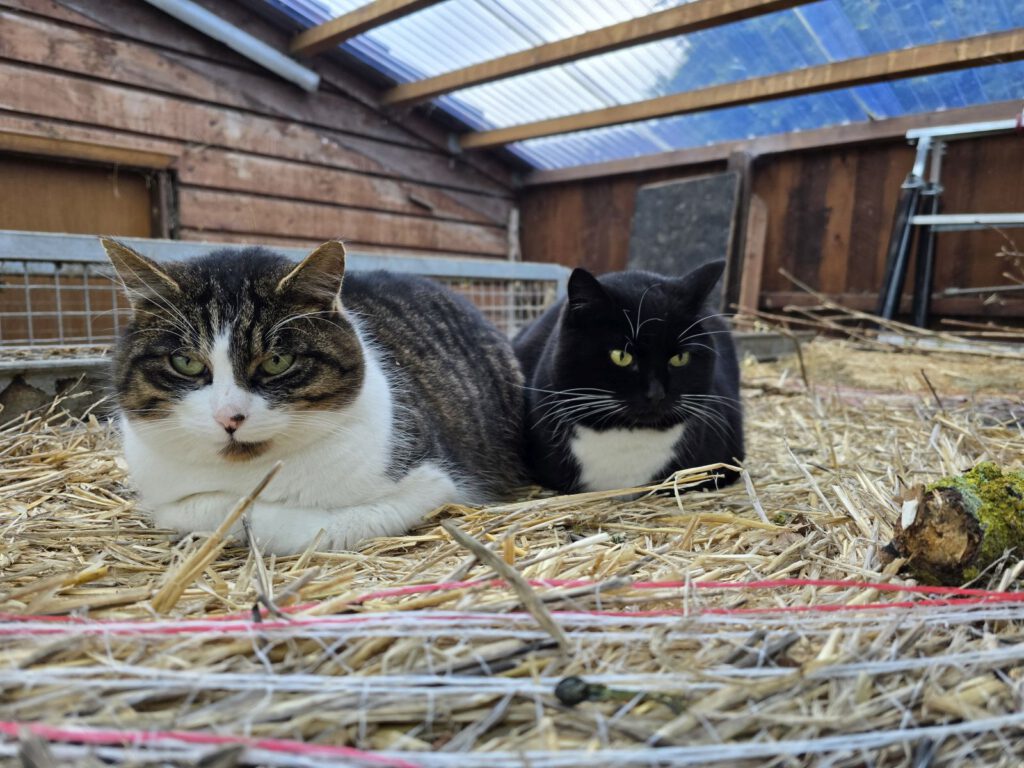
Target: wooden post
{"x":753,"y":254}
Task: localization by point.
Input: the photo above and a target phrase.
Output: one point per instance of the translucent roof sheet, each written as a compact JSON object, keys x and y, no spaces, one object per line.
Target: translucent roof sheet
{"x":458,"y":33}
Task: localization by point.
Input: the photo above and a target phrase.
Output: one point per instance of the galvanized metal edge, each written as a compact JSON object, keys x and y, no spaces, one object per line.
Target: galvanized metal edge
{"x":51,"y":247}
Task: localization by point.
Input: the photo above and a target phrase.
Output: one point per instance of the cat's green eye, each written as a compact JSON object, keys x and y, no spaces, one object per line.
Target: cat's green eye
{"x":621,"y":357}
{"x":187,"y":365}
{"x":678,"y":361}
{"x":277,"y":364}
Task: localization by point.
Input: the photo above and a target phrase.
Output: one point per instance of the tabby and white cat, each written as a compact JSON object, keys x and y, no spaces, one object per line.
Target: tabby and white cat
{"x":630,"y":378}
{"x":384,"y":395}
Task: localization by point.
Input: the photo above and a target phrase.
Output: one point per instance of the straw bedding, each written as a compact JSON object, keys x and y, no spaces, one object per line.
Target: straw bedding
{"x":754,"y":626}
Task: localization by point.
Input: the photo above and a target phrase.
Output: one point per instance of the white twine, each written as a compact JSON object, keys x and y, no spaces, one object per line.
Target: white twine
{"x":702,"y":754}
{"x":435,"y":623}
{"x":127,"y":676}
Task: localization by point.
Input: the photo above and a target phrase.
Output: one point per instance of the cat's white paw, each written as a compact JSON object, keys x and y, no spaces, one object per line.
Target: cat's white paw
{"x":200,"y":513}
{"x":431,"y":483}
{"x":286,"y":530}
{"x":282,"y":530}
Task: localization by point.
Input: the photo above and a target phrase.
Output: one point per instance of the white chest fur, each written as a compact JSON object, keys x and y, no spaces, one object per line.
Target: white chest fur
{"x":333,"y":478}
{"x":622,"y":458}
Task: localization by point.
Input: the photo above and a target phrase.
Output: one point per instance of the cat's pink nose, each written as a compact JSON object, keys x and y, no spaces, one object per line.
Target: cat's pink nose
{"x":230,"y":421}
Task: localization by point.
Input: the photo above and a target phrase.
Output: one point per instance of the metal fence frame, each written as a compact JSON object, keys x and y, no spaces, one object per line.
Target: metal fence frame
{"x":47,"y":253}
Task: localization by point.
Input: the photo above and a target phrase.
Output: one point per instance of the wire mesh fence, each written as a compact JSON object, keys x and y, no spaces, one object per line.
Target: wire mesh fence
{"x":60,"y":290}
{"x":59,"y":303}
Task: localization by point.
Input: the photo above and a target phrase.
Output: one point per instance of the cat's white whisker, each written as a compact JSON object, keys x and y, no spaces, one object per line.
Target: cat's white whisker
{"x":705,"y":333}
{"x":288,"y":321}
{"x":634,"y":433}
{"x":639,"y":310}
{"x":632,"y":328}
{"x":565,"y":391}
{"x":710,"y":419}
{"x":700,"y":320}
{"x":712,"y":350}
{"x":409,"y":414}
{"x":574,"y":413}
{"x":557,"y":403}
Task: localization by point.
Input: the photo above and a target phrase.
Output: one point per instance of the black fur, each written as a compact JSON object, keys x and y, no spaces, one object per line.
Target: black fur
{"x":565,"y":356}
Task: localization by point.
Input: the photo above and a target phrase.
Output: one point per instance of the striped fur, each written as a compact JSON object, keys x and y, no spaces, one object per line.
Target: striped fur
{"x":401,"y":395}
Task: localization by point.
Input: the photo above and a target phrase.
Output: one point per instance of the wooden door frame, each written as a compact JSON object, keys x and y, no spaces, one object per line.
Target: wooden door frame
{"x":157,"y":167}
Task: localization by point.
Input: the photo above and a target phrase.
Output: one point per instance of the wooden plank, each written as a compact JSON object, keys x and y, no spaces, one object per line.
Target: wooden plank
{"x":108,"y":57}
{"x":71,"y":134}
{"x":923,"y":60}
{"x":143,"y":23}
{"x":775,"y":182}
{"x":236,"y":238}
{"x":606,"y":247}
{"x":207,"y":166}
{"x":835,"y":245}
{"x":551,"y":226}
{"x":48,"y":196}
{"x":741,"y":163}
{"x":224,"y":169}
{"x":980,"y":175}
{"x":201,"y":209}
{"x":753,"y":254}
{"x":50,"y":146}
{"x":972,"y":306}
{"x":807,"y":216}
{"x":879,"y":174}
{"x":337,"y":72}
{"x":680,"y":20}
{"x":357,"y":22}
{"x":82,"y":101}
{"x":587,"y":224}
{"x":856,"y":133}
{"x":58,"y":11}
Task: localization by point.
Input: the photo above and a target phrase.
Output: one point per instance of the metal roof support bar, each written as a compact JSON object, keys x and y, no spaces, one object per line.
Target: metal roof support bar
{"x":680,"y":20}
{"x":252,"y":48}
{"x":47,"y":247}
{"x":364,"y":18}
{"x":923,"y":60}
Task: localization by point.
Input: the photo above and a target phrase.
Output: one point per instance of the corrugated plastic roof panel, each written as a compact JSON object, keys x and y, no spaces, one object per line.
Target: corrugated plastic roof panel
{"x":458,"y":33}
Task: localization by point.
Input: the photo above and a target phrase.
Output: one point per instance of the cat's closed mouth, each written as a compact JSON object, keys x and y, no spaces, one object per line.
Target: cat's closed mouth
{"x":236,"y":450}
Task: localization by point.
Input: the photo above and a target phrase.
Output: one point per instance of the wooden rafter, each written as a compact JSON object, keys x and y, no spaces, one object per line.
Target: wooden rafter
{"x":776,"y":143}
{"x":362,"y":19}
{"x":682,"y":19}
{"x":923,"y":60}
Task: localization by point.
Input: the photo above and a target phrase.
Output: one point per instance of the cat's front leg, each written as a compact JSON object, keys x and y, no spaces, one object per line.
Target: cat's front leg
{"x":196,"y":513}
{"x":283,"y":529}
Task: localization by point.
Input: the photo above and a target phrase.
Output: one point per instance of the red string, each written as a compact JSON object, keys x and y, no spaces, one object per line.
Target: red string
{"x":965,"y":596}
{"x":108,"y":736}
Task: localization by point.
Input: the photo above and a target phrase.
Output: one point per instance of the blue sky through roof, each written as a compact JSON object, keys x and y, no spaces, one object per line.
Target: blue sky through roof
{"x":458,"y":33}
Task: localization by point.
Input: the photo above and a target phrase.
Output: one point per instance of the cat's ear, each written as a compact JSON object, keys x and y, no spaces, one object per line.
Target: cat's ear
{"x":697,"y":285}
{"x":320,"y":273}
{"x":585,"y":293}
{"x":142,"y":277}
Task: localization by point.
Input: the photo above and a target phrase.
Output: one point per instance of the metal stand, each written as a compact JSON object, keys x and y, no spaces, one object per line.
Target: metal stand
{"x":917,"y":213}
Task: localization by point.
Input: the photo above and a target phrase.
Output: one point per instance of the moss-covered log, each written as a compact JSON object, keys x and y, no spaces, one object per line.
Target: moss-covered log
{"x":953,"y":529}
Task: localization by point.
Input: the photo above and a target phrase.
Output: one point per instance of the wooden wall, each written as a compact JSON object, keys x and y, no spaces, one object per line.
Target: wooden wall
{"x":829,"y":215}
{"x":256,"y":158}
{"x":587,"y":223}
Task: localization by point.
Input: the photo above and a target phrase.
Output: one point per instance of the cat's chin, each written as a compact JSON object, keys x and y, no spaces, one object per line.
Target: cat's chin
{"x":238,"y":451}
{"x":643,"y":418}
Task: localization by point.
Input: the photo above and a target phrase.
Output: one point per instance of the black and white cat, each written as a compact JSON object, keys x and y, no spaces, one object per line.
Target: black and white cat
{"x":630,"y":378}
{"x":385,"y":396}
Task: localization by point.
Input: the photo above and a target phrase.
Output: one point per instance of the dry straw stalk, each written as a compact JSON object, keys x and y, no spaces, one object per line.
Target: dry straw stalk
{"x":408,"y":652}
